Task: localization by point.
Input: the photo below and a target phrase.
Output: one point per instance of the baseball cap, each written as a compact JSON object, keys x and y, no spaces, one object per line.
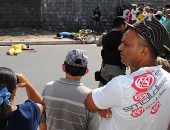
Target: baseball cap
{"x":153,"y":32}
{"x":158,"y":12}
{"x":77,"y":58}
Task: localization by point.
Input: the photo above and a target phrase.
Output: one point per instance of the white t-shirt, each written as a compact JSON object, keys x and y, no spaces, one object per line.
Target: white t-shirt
{"x":125,"y":12}
{"x":134,"y":12}
{"x":140,"y":101}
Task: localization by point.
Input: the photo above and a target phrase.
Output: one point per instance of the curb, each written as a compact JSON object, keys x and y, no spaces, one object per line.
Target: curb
{"x":44,"y":42}
{"x":40,"y":43}
{"x":68,"y":42}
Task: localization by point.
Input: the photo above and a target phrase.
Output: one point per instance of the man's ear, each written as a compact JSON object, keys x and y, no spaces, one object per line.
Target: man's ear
{"x":144,"y":51}
{"x":63,"y":68}
{"x":87,"y":70}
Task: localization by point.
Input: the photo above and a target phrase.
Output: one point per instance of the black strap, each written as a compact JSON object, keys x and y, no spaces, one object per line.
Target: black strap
{"x":103,"y":81}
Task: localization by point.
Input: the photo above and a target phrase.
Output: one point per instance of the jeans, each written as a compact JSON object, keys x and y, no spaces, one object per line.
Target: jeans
{"x":95,"y":26}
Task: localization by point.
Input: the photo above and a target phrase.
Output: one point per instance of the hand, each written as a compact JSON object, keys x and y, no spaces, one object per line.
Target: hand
{"x":22,"y":81}
{"x":105,"y":113}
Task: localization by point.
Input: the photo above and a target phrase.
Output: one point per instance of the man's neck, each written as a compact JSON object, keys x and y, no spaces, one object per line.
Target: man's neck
{"x":146,"y":64}
{"x":73,"y":77}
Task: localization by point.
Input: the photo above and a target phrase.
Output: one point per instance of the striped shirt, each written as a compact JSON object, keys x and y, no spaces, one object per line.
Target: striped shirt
{"x":65,"y":110}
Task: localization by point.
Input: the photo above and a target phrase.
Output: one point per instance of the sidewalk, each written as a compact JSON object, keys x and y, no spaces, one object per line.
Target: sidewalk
{"x":41,"y":42}
{"x":32,"y":37}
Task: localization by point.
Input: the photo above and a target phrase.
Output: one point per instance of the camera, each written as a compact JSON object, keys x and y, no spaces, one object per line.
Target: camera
{"x":17,"y":80}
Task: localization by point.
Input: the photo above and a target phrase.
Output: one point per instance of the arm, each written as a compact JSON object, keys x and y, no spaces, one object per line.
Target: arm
{"x":32,"y":93}
{"x":105,"y":113}
{"x":89,"y":103}
{"x":42,"y":126}
{"x":99,"y":42}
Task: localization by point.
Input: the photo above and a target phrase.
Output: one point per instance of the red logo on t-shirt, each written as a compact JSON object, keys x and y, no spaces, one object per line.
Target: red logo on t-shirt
{"x":150,"y":70}
{"x":139,"y":96}
{"x":137,"y":112}
{"x":142,"y":82}
{"x":155,"y":108}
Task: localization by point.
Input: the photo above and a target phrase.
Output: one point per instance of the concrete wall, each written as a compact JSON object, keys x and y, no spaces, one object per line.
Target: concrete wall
{"x":14,"y":13}
{"x":61,"y":15}
{"x":70,"y":15}
{"x":74,"y":14}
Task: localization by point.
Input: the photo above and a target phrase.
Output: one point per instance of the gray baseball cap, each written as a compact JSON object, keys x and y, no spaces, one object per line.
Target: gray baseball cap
{"x":77,"y":58}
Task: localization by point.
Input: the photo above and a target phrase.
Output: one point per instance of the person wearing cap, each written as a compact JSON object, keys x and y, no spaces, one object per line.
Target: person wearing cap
{"x":159,"y":11}
{"x":64,"y":98}
{"x":140,"y":100}
{"x":111,"y":63}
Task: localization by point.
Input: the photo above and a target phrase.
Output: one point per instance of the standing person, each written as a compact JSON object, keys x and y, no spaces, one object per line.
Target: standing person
{"x":96,"y":19}
{"x":111,"y":64}
{"x":125,"y":11}
{"x":64,"y":98}
{"x":24,"y":116}
{"x":134,"y":12}
{"x":139,"y":101}
{"x":129,"y":15}
{"x":119,"y":11}
{"x":159,"y":11}
{"x":166,"y":22}
{"x":140,"y":14}
{"x":152,"y":12}
{"x":146,"y":11}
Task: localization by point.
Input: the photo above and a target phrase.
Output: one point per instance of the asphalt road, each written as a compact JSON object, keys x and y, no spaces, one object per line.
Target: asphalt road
{"x":44,"y":64}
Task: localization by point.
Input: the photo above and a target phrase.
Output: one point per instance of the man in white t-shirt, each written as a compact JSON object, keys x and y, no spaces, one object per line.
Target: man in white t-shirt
{"x":125,"y":11}
{"x":140,"y":100}
{"x":134,"y":11}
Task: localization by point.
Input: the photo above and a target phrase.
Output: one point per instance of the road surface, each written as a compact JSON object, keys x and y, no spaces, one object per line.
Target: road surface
{"x":44,"y":64}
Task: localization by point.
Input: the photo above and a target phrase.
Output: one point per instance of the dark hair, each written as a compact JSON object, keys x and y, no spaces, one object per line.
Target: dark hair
{"x":58,"y":35}
{"x":151,"y":9}
{"x":118,"y":21}
{"x":158,"y":16}
{"x":167,"y":6}
{"x":8,"y":80}
{"x":74,"y":70}
{"x":141,"y":9}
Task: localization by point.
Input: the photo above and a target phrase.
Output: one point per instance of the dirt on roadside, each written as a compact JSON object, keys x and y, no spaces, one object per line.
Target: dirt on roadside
{"x":26,"y":34}
{"x":19,"y":35}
